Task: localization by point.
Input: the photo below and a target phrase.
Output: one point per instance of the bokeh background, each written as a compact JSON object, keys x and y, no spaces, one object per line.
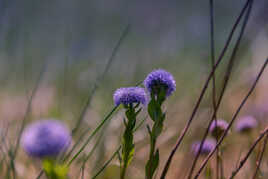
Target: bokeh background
{"x":70,"y":43}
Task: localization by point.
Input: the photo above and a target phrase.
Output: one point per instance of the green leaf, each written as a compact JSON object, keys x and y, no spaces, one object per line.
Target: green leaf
{"x":154,"y":110}
{"x":155,"y":161}
{"x":162,"y":95}
{"x":107,"y":117}
{"x":157,"y":128}
{"x":151,"y":109}
{"x":130,"y":156}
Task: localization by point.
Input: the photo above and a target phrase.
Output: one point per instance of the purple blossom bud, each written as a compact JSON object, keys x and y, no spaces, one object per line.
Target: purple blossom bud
{"x":160,"y":78}
{"x":45,"y":138}
{"x":208,"y":146}
{"x":246,"y":124}
{"x":130,"y":95}
{"x":218,"y":127}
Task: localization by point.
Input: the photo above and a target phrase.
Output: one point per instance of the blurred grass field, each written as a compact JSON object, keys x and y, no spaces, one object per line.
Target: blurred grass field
{"x":72,"y":41}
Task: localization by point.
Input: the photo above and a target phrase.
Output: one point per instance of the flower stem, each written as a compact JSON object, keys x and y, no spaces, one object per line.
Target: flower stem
{"x":158,"y":117}
{"x":128,"y":142}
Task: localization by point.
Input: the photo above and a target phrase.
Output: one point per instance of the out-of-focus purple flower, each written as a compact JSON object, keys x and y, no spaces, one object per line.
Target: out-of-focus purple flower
{"x":246,"y":124}
{"x":130,"y":95}
{"x":208,"y":146}
{"x":45,"y":138}
{"x":158,"y":79}
{"x":218,"y":127}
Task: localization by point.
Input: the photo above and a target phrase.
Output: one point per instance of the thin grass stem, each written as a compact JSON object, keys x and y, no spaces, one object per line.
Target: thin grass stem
{"x":203,"y":91}
{"x":107,"y":163}
{"x":93,"y":134}
{"x":261,"y":157}
{"x":100,"y":78}
{"x":225,"y":83}
{"x":233,"y":118}
{"x":243,"y":161}
{"x":26,"y":115}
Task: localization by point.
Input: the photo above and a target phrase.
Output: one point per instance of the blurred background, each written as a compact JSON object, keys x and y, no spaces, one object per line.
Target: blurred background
{"x":70,"y":42}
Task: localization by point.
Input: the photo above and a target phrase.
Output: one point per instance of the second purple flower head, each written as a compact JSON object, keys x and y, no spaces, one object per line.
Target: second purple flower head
{"x":208,"y":146}
{"x":218,"y":127}
{"x":158,"y":79}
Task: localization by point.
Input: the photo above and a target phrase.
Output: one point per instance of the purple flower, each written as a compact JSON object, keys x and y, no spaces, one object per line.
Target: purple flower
{"x":45,"y":138}
{"x":208,"y":146}
{"x":218,"y":127}
{"x":130,"y":95}
{"x":158,"y":79}
{"x":246,"y":124}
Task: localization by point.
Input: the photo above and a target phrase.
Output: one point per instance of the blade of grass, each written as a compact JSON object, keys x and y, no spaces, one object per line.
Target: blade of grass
{"x":95,"y":87}
{"x":26,"y":115}
{"x":76,"y":144}
{"x":107,"y":163}
{"x":28,"y":109}
{"x":40,"y":174}
{"x":91,"y":153}
{"x":67,"y":44}
{"x":100,"y":78}
{"x":93,"y":134}
{"x":96,"y":144}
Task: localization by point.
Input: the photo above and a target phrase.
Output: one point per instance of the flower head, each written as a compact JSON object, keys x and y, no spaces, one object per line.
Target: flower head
{"x":246,"y":124}
{"x":130,"y":95}
{"x":158,"y":79}
{"x":208,"y":146}
{"x":218,"y":127}
{"x":45,"y":138}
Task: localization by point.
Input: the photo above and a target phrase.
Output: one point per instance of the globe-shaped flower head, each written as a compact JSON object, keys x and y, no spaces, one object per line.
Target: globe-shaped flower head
{"x":218,"y":127}
{"x":246,"y":124}
{"x":45,"y":138}
{"x":208,"y":146}
{"x":158,"y":80}
{"x":130,"y":95}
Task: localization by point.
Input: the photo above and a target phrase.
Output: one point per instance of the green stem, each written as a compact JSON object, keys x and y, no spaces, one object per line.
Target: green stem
{"x":149,"y":165}
{"x":92,"y":135}
{"x":128,"y":142}
{"x":54,"y":170}
{"x":208,"y":172}
{"x":158,"y":117}
{"x":123,"y":172}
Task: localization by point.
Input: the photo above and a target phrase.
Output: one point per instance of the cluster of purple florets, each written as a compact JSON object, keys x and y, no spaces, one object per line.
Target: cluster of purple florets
{"x":45,"y":138}
{"x":217,"y":127}
{"x":156,"y":79}
{"x":208,"y":146}
{"x":130,"y":95}
{"x":246,"y":124}
{"x":160,"y":78}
